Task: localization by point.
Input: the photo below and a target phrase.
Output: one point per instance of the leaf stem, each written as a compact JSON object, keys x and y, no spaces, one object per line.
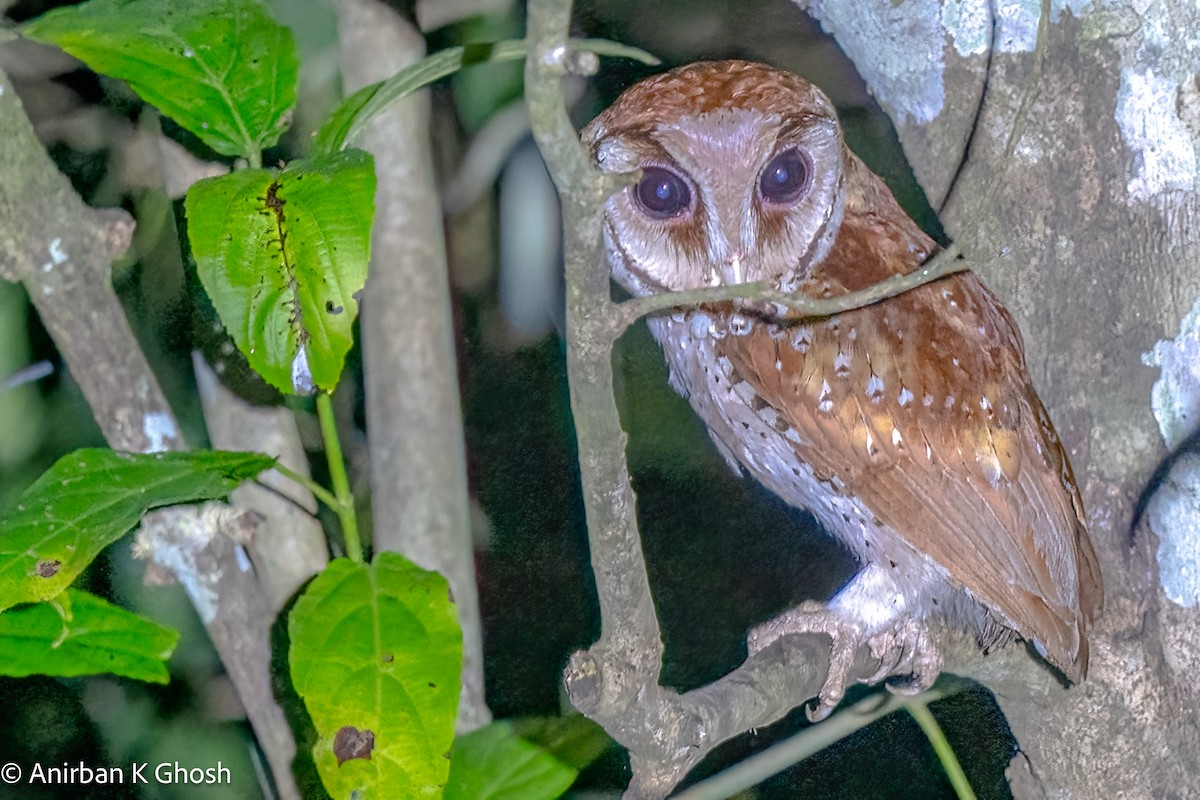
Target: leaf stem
{"x":919,"y":710}
{"x":319,"y":491}
{"x":337,"y":474}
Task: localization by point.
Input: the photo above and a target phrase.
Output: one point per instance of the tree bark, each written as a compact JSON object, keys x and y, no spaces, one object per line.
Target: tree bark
{"x":1060,"y":148}
{"x":414,"y":412}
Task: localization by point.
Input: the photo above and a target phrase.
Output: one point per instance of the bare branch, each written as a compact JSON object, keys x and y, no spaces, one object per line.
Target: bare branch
{"x":289,"y":545}
{"x":202,"y":547}
{"x":414,"y":416}
{"x":62,"y":250}
{"x":800,"y":307}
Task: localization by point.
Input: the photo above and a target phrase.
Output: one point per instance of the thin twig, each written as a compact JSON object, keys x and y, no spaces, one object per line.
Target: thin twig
{"x":811,"y":740}
{"x":944,"y":263}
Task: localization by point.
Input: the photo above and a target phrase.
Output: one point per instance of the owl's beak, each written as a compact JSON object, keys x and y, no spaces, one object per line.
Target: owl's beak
{"x":731,"y":271}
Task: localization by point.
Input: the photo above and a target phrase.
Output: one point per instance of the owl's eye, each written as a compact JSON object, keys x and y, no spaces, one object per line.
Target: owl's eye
{"x":786,"y":177}
{"x":661,"y":193}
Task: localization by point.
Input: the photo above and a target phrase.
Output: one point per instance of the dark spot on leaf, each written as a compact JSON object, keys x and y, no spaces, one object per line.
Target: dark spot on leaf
{"x":432,"y":685}
{"x":350,"y":743}
{"x":48,"y":568}
{"x":388,"y":658}
{"x":332,"y":309}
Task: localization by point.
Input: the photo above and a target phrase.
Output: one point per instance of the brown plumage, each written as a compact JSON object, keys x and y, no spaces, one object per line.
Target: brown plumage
{"x":909,"y":428}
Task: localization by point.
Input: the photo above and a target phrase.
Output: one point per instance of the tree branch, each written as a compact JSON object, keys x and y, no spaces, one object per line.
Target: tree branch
{"x":414,"y":417}
{"x":289,"y":545}
{"x":795,"y":306}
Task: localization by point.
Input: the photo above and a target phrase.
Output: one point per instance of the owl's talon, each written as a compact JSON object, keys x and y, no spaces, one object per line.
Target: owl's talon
{"x":904,"y":650}
{"x":845,"y":638}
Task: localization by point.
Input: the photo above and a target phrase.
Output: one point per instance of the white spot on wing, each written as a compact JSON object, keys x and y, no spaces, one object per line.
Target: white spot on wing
{"x":802,"y":340}
{"x":823,"y":401}
{"x":841,"y":364}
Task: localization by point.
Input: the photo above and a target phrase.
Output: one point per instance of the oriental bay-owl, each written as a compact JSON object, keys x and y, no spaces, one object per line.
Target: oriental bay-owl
{"x":909,"y":428}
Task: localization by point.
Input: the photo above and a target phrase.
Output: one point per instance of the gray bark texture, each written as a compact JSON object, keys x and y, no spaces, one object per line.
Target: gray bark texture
{"x":1060,"y":146}
{"x":414,"y":414}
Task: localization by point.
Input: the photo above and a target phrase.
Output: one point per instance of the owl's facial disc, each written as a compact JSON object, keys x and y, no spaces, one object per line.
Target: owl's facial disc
{"x":740,"y":179}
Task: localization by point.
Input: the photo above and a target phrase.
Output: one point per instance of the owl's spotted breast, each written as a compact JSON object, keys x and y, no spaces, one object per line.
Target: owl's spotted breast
{"x":911,"y":430}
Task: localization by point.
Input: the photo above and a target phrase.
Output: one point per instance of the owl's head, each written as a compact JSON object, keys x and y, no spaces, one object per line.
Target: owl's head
{"x":742,"y":168}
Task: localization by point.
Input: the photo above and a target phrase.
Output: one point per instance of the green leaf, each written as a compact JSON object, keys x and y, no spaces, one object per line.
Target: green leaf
{"x":282,"y":255}
{"x":376,"y":655}
{"x":349,"y":118}
{"x":89,"y":499}
{"x":493,"y":763}
{"x":79,"y":634}
{"x":575,"y":740}
{"x":223,"y":69}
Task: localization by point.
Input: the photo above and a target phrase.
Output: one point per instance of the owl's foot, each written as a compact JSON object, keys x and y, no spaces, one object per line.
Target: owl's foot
{"x":903,"y":648}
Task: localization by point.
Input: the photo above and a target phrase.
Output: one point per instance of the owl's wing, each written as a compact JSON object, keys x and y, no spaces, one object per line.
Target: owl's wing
{"x":922,"y":407}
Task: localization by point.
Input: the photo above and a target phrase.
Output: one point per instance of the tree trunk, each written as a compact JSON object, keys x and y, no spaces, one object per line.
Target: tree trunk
{"x":1060,"y":148}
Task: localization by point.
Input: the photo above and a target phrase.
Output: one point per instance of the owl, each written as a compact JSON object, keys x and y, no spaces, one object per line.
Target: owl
{"x":908,"y":428}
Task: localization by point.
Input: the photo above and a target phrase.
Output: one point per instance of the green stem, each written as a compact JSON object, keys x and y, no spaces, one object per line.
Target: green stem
{"x":337,"y":474}
{"x":941,"y":746}
{"x":254,"y":160}
{"x":318,"y":491}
